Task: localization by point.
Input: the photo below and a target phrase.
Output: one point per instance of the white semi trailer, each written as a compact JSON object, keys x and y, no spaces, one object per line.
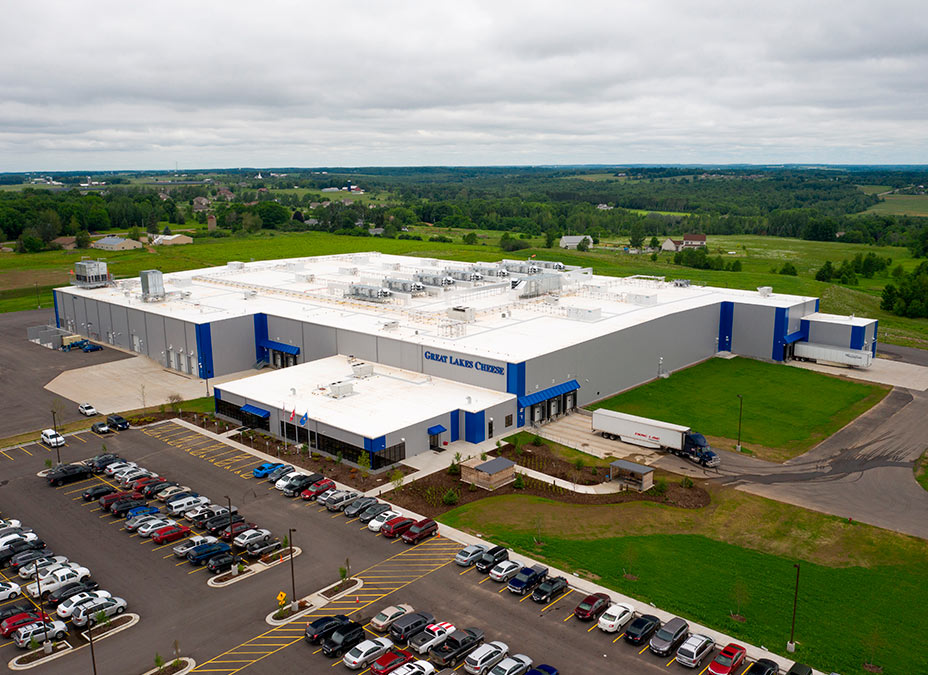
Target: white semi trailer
{"x":655,"y":434}
{"x":808,"y":351}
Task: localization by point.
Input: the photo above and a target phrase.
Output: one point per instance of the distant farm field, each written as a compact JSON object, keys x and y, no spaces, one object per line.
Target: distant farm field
{"x":902,"y":205}
{"x":875,"y":189}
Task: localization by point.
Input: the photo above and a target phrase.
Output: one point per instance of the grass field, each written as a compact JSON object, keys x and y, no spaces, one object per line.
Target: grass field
{"x":562,"y":451}
{"x":779,"y":421}
{"x":875,"y":189}
{"x":921,"y":470}
{"x":860,"y":586}
{"x":901,"y":205}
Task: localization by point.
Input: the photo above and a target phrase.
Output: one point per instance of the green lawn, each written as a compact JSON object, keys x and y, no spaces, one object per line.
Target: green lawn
{"x":786,"y":410}
{"x":569,"y":454}
{"x":683,"y":566}
{"x":921,"y":470}
{"x":875,"y":189}
{"x":902,"y":205}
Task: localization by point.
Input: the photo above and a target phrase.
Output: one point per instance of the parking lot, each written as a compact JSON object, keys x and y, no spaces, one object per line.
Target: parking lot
{"x":224,"y":628}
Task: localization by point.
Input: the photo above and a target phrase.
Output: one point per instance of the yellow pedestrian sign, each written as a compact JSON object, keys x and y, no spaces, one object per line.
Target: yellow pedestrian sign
{"x":281,"y":599}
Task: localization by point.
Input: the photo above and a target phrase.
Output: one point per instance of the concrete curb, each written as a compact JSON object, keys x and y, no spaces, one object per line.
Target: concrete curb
{"x":51,"y":657}
{"x":255,"y":567}
{"x":190,"y":665}
{"x":12,"y":665}
{"x":316,"y":601}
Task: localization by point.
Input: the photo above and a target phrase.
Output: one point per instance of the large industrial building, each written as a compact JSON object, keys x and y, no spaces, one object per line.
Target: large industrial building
{"x":393,"y":355}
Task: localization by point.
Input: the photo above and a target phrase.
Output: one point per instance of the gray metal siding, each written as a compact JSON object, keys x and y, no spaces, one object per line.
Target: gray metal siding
{"x":318,"y":342}
{"x":752,"y":330}
{"x":288,"y":331}
{"x":351,"y":343}
{"x":120,"y":326}
{"x":157,"y":347}
{"x":826,"y":333}
{"x":233,"y":344}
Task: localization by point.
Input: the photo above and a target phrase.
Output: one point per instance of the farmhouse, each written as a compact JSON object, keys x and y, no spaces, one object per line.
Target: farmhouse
{"x":114,"y":243}
{"x":572,"y":241}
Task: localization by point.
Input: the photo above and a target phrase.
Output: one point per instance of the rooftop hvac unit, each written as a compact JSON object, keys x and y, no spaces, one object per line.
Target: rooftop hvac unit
{"x":362,"y":370}
{"x":436,"y":279}
{"x":341,"y":389}
{"x":765,"y":291}
{"x":391,"y":266}
{"x":464,"y":275}
{"x":152,"y":285}
{"x":681,"y":283}
{"x":404,"y":285}
{"x":366,"y":292}
{"x":348,"y":271}
{"x":295,"y":266}
{"x":466,"y":314}
{"x":520,"y":267}
{"x":90,"y":274}
{"x":549,"y":264}
{"x":235,"y":265}
{"x":391,"y":325}
{"x":304,"y":277}
{"x":584,"y":314}
{"x":643,"y":299}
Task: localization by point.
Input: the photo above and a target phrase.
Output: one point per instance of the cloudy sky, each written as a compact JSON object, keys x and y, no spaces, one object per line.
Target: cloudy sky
{"x":113,"y":85}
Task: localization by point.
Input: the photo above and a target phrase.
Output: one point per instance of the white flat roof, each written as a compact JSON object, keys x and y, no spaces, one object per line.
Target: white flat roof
{"x":388,"y":400}
{"x":841,"y":319}
{"x":506,"y":326}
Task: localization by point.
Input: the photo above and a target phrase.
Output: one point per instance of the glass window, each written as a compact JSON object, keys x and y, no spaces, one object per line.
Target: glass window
{"x":508,"y":421}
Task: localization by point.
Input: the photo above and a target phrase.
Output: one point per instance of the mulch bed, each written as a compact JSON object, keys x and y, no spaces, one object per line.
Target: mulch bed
{"x":347,"y":584}
{"x":39,"y":654}
{"x":102,"y":629}
{"x":542,"y":458}
{"x":205,"y":420}
{"x":425,"y":495}
{"x":170,"y":668}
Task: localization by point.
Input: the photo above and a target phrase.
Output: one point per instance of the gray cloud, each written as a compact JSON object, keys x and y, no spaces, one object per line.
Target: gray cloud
{"x":295,"y":83}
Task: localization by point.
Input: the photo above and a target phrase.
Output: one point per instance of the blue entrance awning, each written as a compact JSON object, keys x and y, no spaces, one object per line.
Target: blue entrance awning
{"x":797,"y":336}
{"x":437,"y":429}
{"x":256,"y":411}
{"x":543,"y":395}
{"x":279,"y":346}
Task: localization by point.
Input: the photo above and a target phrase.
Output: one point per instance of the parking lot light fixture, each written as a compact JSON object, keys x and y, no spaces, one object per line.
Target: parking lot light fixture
{"x":294,"y":604}
{"x":740,"y":411}
{"x":55,"y":428}
{"x":229,"y":502}
{"x":791,"y":645}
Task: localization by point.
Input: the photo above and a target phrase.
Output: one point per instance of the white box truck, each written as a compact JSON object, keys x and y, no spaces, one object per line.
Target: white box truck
{"x":649,"y":433}
{"x":857,"y":358}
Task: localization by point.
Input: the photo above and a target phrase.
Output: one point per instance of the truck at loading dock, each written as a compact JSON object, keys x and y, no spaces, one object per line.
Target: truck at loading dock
{"x":648,"y":433}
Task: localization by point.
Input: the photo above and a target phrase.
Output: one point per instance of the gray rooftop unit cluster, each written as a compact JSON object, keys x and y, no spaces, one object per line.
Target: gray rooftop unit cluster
{"x":461,"y":313}
{"x":403,"y":285}
{"x":490,"y":270}
{"x":464,"y":275}
{"x":90,"y":274}
{"x":521,"y":267}
{"x":341,"y":389}
{"x":152,"y":285}
{"x":536,"y":285}
{"x":366,"y":292}
{"x":549,"y":264}
{"x":434,"y":279}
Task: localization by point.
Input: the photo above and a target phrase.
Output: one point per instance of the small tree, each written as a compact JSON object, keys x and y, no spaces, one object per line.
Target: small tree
{"x":450,"y":498}
{"x":364,"y":461}
{"x":82,"y":239}
{"x":583,"y":245}
{"x":536,"y":440}
{"x":33,"y":644}
{"x":578,"y":464}
{"x":654,"y":243}
{"x":519,"y":483}
{"x":397,"y":479}
{"x":175,"y":400}
{"x":159,"y":662}
{"x":338,"y":458}
{"x":789,"y":269}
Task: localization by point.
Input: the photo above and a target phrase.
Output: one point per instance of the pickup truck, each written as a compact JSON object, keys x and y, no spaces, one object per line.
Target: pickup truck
{"x":456,"y":647}
{"x":433,"y":635}
{"x":527,"y":579}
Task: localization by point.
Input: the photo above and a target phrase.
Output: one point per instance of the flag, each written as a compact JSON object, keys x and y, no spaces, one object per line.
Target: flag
{"x":303,"y":419}
{"x":293,"y":414}
{"x":534,"y":254}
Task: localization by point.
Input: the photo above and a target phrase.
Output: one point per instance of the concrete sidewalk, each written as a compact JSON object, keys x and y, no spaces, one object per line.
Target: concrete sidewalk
{"x":883,"y":371}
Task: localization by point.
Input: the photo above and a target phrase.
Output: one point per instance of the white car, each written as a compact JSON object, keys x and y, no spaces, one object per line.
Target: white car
{"x":321,"y":499}
{"x":9,"y":590}
{"x":45,"y":572}
{"x":118,"y":466}
{"x":87,"y":613}
{"x":57,"y":579}
{"x":211,"y":509}
{"x":184,"y":547}
{"x":505,"y":571}
{"x":28,"y":570}
{"x":487,"y":655}
{"x":517,"y":664}
{"x":12,"y":522}
{"x":51,"y":630}
{"x":137,"y":521}
{"x":181,"y":506}
{"x":132,"y":476}
{"x":52,"y":438}
{"x":281,"y":483}
{"x":66,"y":608}
{"x":10,"y":539}
{"x":87,"y":409}
{"x":248,"y":537}
{"x":431,"y":636}
{"x":154,"y":525}
{"x":378,"y":521}
{"x":615,"y":618}
{"x":119,"y":474}
{"x":365,"y":653}
{"x":415,"y":668}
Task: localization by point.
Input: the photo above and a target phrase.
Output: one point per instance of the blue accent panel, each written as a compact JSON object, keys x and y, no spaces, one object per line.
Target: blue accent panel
{"x":515,"y":378}
{"x":550,"y":392}
{"x":55,"y":299}
{"x":876,"y":325}
{"x":437,"y":429}
{"x":204,"y":350}
{"x":455,"y":425}
{"x":780,"y":326}
{"x":858,"y":335}
{"x":801,"y":334}
{"x":256,"y":411}
{"x":726,"y":319}
{"x":260,"y":337}
{"x":816,"y":304}
{"x":279,"y":346}
{"x":804,"y":326}
{"x":368,"y":444}
{"x":475,"y":429}
{"x":217,"y":394}
{"x":520,"y":417}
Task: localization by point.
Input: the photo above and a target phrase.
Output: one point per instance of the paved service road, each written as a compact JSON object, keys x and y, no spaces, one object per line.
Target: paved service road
{"x":919,"y":357}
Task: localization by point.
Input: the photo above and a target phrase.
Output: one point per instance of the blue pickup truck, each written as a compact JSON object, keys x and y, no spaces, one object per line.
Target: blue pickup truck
{"x":527,"y":579}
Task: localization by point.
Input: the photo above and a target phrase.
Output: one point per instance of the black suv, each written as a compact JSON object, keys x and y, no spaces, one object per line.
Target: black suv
{"x":549,"y":589}
{"x":217,"y":523}
{"x":100,"y":462}
{"x":320,"y":629}
{"x":343,"y":638}
{"x":67,"y":473}
{"x":300,"y":483}
{"x":408,"y":625}
{"x":492,"y":558}
{"x":117,"y":422}
{"x":121,"y":508}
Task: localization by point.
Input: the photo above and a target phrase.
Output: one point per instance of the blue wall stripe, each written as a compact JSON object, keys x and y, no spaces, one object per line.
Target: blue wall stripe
{"x":260,"y":336}
{"x":858,"y":335}
{"x":726,"y":320}
{"x":455,"y":425}
{"x":515,"y":378}
{"x":475,"y":430}
{"x":55,"y":299}
{"x":780,"y":326}
{"x":204,"y":350}
{"x":876,"y":325}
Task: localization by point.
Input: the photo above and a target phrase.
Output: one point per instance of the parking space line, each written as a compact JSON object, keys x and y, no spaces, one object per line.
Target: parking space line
{"x":198,"y":569}
{"x":569,"y":617}
{"x":24,"y":450}
{"x":705,"y":669}
{"x":7,"y":456}
{"x":552,"y":603}
{"x":527,"y":596}
{"x":675,"y":658}
{"x":643,"y":650}
{"x":621,"y":635}
{"x":484,"y":580}
{"x":78,"y":438}
{"x":590,"y":629}
{"x":505,"y":588}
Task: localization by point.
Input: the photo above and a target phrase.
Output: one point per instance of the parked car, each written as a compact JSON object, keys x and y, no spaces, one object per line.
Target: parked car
{"x":433,"y":635}
{"x":70,"y":589}
{"x":415,"y":668}
{"x":87,"y":409}
{"x":9,"y":590}
{"x":132,"y":524}
{"x":284,"y":480}
{"x":468,"y":555}
{"x":201,"y":514}
{"x":317,"y":488}
{"x":6,"y":611}
{"x":117,"y":422}
{"x":408,"y":625}
{"x":695,"y":649}
{"x":8,"y":540}
{"x":517,"y":664}
{"x":56,"y":579}
{"x":122,"y":507}
{"x":343,"y":638}
{"x":52,"y":438}
{"x":423,"y":529}
{"x":99,"y":463}
{"x":23,"y":558}
{"x":231,"y":532}
{"x":376,"y":523}
{"x":340,"y":500}
{"x":259,"y":549}
{"x":170,"y":533}
{"x":641,"y":629}
{"x":17,"y":621}
{"x":40,"y":631}
{"x":217,"y":524}
{"x":29,"y":570}
{"x":391,"y":660}
{"x":121,"y":465}
{"x":179,"y":507}
{"x":616,"y":617}
{"x":128,"y":479}
{"x":264,"y":469}
{"x":252,"y":536}
{"x":482,"y":659}
{"x":592,"y":606}
{"x":183,"y":548}
{"x":358,"y":505}
{"x":222,"y":562}
{"x":87,"y":614}
{"x":91,"y":347}
{"x":106,"y":501}
{"x":100,"y":428}
{"x":765,"y":667}
{"x":549,"y":589}
{"x":800,"y":669}
{"x":384,"y":618}
{"x":527,"y":579}
{"x":491,"y":559}
{"x":456,"y":647}
{"x":505,"y":571}
{"x":142,"y":511}
{"x":396,"y":527}
{"x":167,"y":493}
{"x":178,"y":496}
{"x":67,"y":473}
{"x":156,"y":487}
{"x":320,"y":629}
{"x":669,"y":636}
{"x":322,"y":498}
{"x":729,"y":660}
{"x":299,"y":483}
{"x":11,"y":522}
{"x":274,"y":475}
{"x":66,"y":608}
{"x":199,"y":555}
{"x":365,"y":653}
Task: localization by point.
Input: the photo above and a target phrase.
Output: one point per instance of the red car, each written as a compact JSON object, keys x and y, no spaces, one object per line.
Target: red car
{"x":592,"y":606}
{"x":317,"y":489}
{"x":19,"y":620}
{"x":143,"y":481}
{"x":396,"y":526}
{"x":229,"y":533}
{"x":422,"y":530}
{"x":728,"y":661}
{"x":393,"y":659}
{"x":170,"y":533}
{"x":106,"y":501}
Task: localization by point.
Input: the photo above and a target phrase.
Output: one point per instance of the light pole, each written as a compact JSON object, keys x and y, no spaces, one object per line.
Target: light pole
{"x":791,"y":645}
{"x":293,"y":602}
{"x":55,"y":427}
{"x":93,"y":659}
{"x":229,"y":502}
{"x":740,"y":411}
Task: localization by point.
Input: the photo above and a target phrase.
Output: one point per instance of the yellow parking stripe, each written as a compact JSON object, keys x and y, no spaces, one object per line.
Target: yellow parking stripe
{"x":78,"y":438}
{"x":552,"y":603}
{"x":7,"y":456}
{"x":24,"y":450}
{"x":643,"y":650}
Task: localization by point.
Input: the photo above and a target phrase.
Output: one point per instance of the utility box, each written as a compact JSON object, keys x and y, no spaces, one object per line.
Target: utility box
{"x":152,"y":285}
